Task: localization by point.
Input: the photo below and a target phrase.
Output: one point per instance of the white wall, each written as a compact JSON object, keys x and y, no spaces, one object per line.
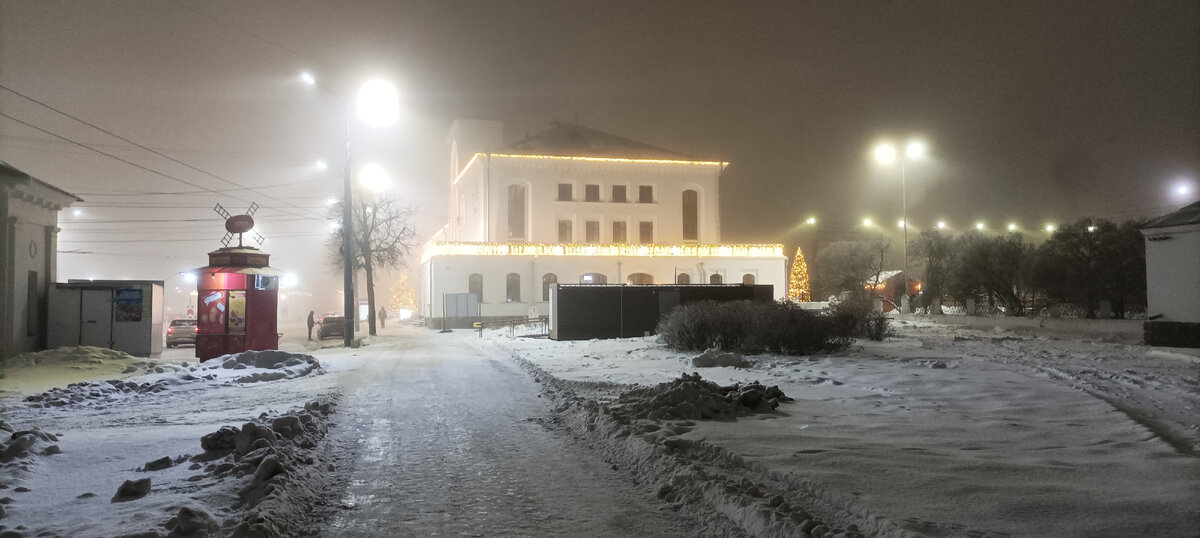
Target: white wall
{"x":1173,"y":273}
{"x":450,"y":274}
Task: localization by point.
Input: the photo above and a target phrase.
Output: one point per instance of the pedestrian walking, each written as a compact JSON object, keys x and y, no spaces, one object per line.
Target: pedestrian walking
{"x":311,"y":322}
{"x":382,"y":318}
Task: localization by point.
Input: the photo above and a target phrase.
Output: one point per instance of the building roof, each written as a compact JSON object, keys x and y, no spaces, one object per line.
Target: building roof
{"x":1189,"y":214}
{"x":572,"y":140}
{"x":11,"y":175}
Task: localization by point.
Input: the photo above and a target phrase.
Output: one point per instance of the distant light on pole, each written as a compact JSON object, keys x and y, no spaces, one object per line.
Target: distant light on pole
{"x":288,"y":280}
{"x":374,"y":177}
{"x":188,"y":277}
{"x":915,"y":150}
{"x":885,"y":154}
{"x":321,"y":165}
{"x":378,"y":103}
{"x":1012,"y":227}
{"x":308,"y":78}
{"x":1049,"y":228}
{"x":978,"y":225}
{"x":941,"y":224}
{"x":1091,"y":228}
{"x":900,"y":223}
{"x":811,"y":220}
{"x":866,"y":222}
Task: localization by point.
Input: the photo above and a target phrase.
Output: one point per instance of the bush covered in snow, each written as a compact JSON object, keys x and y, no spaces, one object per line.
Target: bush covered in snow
{"x":857,"y":317}
{"x":755,"y":327}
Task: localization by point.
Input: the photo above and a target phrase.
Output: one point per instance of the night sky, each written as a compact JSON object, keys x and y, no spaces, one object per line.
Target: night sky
{"x":1033,"y":112}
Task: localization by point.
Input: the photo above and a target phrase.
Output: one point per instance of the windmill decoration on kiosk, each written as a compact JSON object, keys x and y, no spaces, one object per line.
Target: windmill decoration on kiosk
{"x":239,"y":224}
{"x":238,"y":296}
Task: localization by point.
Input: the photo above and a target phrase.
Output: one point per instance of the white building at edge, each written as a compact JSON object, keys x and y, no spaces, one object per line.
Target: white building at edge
{"x":576,"y":205}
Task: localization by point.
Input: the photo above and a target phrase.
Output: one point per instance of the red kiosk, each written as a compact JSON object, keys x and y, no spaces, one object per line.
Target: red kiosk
{"x":238,"y":298}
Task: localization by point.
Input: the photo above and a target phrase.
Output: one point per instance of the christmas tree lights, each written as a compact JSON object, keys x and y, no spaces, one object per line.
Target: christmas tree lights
{"x":799,"y":287}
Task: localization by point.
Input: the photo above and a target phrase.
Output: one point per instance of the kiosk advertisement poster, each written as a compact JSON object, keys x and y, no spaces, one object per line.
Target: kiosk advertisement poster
{"x":237,"y":311}
{"x":212,"y":312}
{"x":128,"y":304}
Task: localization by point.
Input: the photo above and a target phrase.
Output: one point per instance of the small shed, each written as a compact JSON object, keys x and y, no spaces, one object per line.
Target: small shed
{"x":889,"y":287}
{"x":586,"y":311}
{"x":125,"y":315}
{"x":1173,"y":278}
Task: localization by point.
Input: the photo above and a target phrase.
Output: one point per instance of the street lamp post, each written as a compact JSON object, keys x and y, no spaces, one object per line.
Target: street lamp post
{"x":887,"y":154}
{"x":378,"y":104}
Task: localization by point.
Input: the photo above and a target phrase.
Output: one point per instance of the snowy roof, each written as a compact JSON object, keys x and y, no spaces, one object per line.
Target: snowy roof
{"x":1189,"y":214}
{"x":569,"y":139}
{"x":12,"y":175}
{"x":883,"y":276}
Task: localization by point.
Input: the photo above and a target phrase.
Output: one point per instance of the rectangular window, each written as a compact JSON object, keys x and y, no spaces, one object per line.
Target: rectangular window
{"x":645,"y":194}
{"x":618,"y":194}
{"x":591,"y":193}
{"x":592,"y":231}
{"x":619,"y":233}
{"x":646,"y":232}
{"x":565,"y":192}
{"x":565,"y":231}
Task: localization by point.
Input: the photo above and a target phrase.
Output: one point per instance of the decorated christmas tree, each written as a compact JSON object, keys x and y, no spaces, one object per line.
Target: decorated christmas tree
{"x":799,"y":287}
{"x":402,"y":295}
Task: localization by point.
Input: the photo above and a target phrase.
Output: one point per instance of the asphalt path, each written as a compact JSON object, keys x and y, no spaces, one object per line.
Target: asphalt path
{"x":439,"y":439}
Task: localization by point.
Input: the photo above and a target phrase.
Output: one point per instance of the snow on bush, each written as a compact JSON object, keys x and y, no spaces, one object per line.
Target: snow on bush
{"x":754,"y":327}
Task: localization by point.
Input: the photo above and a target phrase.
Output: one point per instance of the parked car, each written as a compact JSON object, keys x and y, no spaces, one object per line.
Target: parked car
{"x":331,"y":325}
{"x":182,"y":331}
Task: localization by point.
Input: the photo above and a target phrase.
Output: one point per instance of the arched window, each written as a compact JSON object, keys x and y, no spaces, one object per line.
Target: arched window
{"x":593,"y":278}
{"x":547,"y":280}
{"x":512,"y":288}
{"x":691,"y":215}
{"x":475,"y":285}
{"x":641,"y":278}
{"x":747,"y":278}
{"x":516,"y":212}
{"x":715,"y":278}
{"x":683,"y":278}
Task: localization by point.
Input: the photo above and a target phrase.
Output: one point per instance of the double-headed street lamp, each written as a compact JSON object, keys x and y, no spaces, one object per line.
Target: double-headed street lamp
{"x":378,"y":105}
{"x":887,"y":154}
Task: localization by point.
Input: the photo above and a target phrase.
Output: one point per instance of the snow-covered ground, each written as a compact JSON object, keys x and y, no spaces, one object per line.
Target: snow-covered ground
{"x":994,"y":429}
{"x":946,"y":429}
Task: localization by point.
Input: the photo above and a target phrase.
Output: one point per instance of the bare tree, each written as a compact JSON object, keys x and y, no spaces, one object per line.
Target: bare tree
{"x":383,"y":237}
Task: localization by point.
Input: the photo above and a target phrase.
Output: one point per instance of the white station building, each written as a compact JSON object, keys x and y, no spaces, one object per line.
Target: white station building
{"x":577,"y":205}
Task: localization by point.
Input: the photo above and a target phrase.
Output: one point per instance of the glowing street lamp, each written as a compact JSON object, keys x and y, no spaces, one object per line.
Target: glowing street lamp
{"x":979,"y":226}
{"x":1012,"y":227}
{"x":1049,"y":228}
{"x":941,"y":225}
{"x":886,"y":154}
{"x":866,"y":222}
{"x":377,"y":105}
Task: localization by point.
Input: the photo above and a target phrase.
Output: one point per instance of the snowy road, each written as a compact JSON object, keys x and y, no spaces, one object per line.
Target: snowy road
{"x":444,"y":441}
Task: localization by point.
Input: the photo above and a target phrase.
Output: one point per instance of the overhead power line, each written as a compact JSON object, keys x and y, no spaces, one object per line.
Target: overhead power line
{"x":135,"y":144}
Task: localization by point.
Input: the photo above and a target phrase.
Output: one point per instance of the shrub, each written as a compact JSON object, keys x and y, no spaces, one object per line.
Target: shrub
{"x":754,"y":327}
{"x":856,"y":317}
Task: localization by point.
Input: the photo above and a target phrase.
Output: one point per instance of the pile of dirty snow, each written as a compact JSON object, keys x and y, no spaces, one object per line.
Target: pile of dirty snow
{"x":691,"y":397}
{"x":34,"y":372}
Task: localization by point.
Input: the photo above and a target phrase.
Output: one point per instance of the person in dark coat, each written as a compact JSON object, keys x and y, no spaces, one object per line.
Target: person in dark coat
{"x":311,"y":323}
{"x":382,"y":318}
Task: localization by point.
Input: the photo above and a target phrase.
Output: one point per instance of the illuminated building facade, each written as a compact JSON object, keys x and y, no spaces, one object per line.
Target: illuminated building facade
{"x":576,"y":205}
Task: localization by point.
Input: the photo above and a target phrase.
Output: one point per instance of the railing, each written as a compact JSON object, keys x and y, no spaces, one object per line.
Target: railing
{"x":530,"y":327}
